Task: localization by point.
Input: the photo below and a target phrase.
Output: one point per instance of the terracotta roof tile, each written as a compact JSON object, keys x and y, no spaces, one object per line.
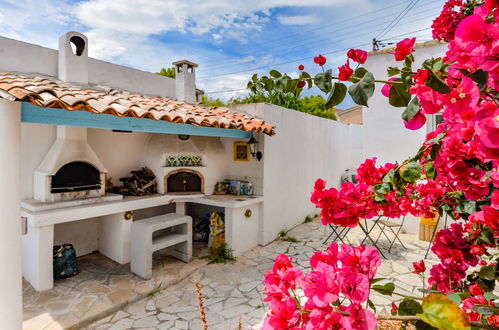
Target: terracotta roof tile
{"x":51,"y":93}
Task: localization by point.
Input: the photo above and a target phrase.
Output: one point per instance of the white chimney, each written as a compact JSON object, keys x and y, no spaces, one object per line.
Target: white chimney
{"x":185,"y":81}
{"x":73,"y":58}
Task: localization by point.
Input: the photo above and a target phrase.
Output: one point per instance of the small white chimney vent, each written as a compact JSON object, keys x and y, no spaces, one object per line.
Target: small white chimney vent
{"x":73,"y":58}
{"x":185,"y":81}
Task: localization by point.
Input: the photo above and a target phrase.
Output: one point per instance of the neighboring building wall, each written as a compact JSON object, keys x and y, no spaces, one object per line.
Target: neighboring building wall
{"x":304,"y":149}
{"x":385,"y":135}
{"x":20,"y":56}
{"x":352,"y":115}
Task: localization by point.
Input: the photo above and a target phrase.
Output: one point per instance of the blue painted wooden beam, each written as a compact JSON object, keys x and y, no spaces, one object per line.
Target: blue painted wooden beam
{"x":51,"y":116}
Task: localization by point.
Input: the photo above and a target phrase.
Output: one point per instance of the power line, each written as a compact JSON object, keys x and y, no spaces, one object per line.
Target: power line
{"x":357,"y":31}
{"x":354,"y":28}
{"x":300,"y":59}
{"x":397,"y":19}
{"x":321,"y":27}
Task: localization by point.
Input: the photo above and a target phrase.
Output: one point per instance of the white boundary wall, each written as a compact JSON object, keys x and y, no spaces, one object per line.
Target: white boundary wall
{"x":385,"y":135}
{"x":305,"y":148}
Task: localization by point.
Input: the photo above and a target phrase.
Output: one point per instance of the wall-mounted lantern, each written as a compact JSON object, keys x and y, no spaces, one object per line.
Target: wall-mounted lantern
{"x":254,"y":149}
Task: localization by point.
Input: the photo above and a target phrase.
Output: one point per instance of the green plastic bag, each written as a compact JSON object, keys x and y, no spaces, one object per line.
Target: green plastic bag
{"x":64,"y":261}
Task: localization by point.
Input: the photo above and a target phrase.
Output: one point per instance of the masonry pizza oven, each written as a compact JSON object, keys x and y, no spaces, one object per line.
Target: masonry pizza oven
{"x":184,"y":181}
{"x":75,"y":176}
{"x":70,"y":170}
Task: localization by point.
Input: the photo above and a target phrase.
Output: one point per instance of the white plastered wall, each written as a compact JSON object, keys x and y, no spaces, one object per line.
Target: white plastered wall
{"x":305,"y":148}
{"x":385,"y":135}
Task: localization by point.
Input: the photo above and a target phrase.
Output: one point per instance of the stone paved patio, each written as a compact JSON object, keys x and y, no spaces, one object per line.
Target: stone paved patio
{"x":233,"y":291}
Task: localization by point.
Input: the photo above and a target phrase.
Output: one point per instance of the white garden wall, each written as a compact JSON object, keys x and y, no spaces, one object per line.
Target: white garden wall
{"x":25,"y":57}
{"x":385,"y":135}
{"x":305,"y":148}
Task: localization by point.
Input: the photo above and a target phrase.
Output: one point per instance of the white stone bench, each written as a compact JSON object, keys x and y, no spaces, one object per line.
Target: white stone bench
{"x":171,"y":230}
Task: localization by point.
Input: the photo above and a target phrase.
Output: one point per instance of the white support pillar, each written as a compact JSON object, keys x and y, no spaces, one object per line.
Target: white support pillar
{"x":115,"y":237}
{"x":37,"y":257}
{"x":11,"y":307}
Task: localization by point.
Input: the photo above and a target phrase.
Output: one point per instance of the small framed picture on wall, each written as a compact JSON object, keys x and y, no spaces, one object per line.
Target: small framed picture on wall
{"x":242,"y":151}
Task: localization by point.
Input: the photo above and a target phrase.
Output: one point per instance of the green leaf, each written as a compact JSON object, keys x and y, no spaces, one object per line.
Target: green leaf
{"x":486,"y":310}
{"x":468,"y":207}
{"x":337,"y":95}
{"x":281,"y":83}
{"x":442,"y":313}
{"x":430,"y":170}
{"x":362,"y":90}
{"x":370,"y":304}
{"x":481,"y":78}
{"x":454,"y":297}
{"x":411,"y":110}
{"x":377,"y":279}
{"x":254,"y":77}
{"x":490,"y":296}
{"x":324,"y":81}
{"x":275,"y":73}
{"x":359,"y":72}
{"x":410,"y":172}
{"x":437,"y":65}
{"x":399,"y":95}
{"x":389,"y":176}
{"x":410,"y":306}
{"x":382,"y":188}
{"x":488,"y":272}
{"x":437,"y":138}
{"x":437,"y":84}
{"x":305,"y":76}
{"x":386,"y":289}
{"x":393,"y":71}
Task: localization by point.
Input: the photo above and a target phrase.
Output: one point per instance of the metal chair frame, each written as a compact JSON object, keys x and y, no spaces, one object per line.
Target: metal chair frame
{"x":383,"y":226}
{"x":343,"y":231}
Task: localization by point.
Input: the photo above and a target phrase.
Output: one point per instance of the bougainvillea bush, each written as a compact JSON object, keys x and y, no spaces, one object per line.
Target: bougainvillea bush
{"x":455,"y":172}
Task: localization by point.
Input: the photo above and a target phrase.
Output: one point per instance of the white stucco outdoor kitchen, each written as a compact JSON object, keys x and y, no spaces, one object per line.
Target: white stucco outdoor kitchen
{"x":72,"y":126}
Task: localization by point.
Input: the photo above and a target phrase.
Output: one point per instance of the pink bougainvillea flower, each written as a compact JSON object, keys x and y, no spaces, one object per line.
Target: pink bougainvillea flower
{"x":301,"y":67}
{"x":359,"y":319}
{"x":387,"y":87}
{"x":416,"y":122}
{"x":355,"y":286}
{"x":345,"y":72}
{"x":404,"y":48}
{"x":321,"y":60}
{"x":475,"y":289}
{"x":419,"y":267}
{"x":357,"y":55}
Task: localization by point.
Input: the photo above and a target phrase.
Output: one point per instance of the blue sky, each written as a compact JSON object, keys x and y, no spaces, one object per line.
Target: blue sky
{"x":229,"y":39}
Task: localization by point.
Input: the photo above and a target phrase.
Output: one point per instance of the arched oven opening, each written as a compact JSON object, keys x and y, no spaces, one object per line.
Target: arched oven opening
{"x":75,"y":176}
{"x":184,"y":181}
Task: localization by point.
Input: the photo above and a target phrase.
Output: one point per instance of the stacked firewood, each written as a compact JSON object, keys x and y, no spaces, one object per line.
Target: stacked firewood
{"x":140,"y":183}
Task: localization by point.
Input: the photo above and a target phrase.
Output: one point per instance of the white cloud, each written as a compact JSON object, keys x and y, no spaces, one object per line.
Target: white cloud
{"x":131,"y":22}
{"x":297,"y":20}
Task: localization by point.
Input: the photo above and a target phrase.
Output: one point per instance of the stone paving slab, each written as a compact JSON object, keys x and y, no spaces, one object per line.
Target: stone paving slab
{"x":234,"y":291}
{"x":101,"y":288}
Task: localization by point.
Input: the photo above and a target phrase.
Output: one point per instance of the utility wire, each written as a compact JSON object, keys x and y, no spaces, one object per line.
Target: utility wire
{"x":315,"y":40}
{"x":300,"y":59}
{"x":400,"y":15}
{"x":321,"y":27}
{"x":342,"y":35}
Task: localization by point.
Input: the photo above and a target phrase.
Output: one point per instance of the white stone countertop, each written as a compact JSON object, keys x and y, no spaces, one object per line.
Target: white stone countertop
{"x":232,"y":201}
{"x":45,"y":217}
